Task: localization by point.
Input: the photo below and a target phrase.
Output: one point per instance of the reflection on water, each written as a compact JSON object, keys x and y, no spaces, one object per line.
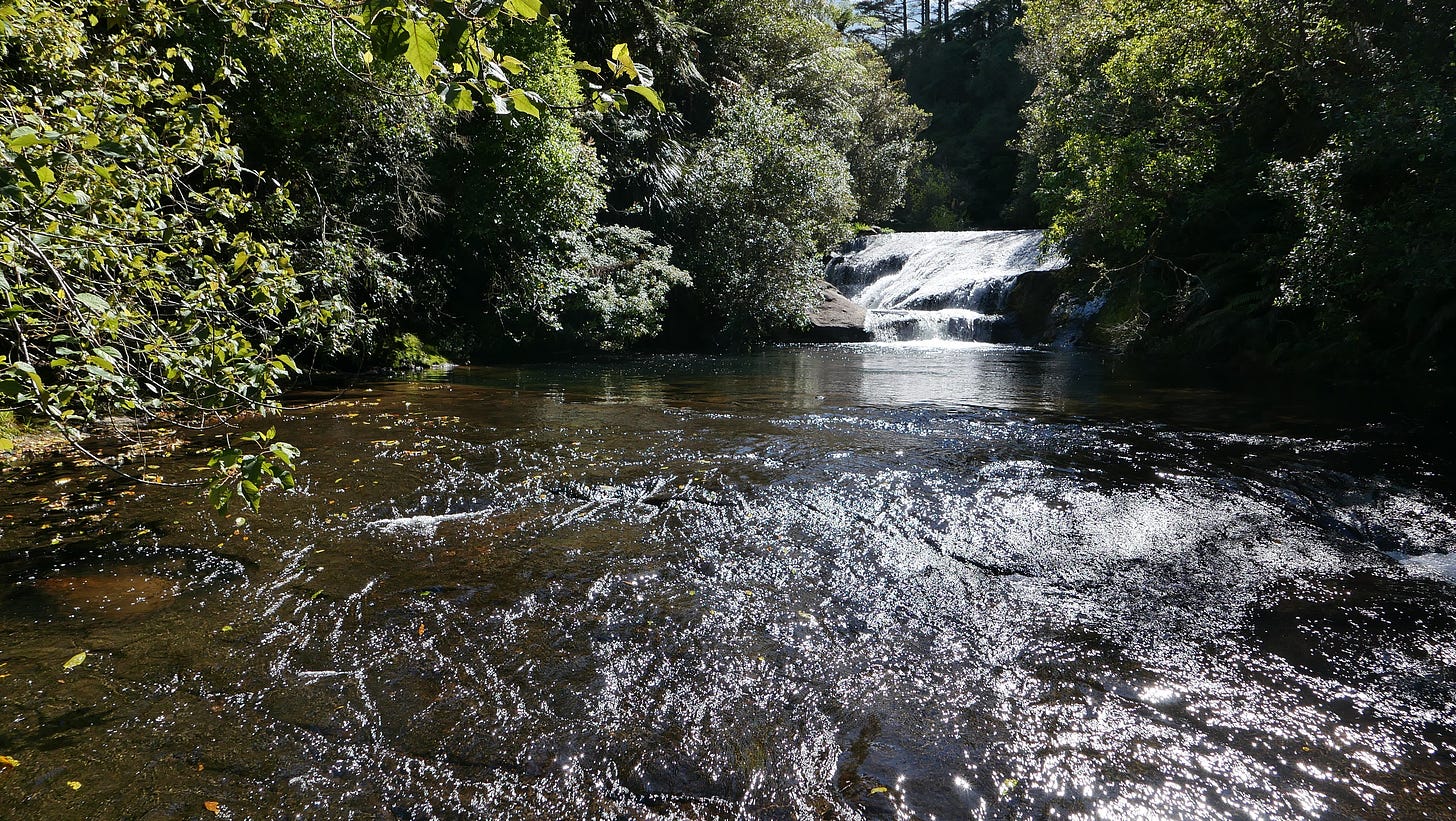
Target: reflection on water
{"x":845,"y":582}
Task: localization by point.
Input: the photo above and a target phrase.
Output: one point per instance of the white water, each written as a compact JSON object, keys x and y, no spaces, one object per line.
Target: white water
{"x":938,"y":286}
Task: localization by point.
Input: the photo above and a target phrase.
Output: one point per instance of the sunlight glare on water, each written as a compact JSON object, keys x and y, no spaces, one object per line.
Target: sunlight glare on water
{"x":935,"y":581}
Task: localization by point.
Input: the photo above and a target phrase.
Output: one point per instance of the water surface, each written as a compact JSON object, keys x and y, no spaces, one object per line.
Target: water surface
{"x":876,"y":581}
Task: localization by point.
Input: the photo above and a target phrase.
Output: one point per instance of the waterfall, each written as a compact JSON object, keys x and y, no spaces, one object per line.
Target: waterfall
{"x":950,"y":285}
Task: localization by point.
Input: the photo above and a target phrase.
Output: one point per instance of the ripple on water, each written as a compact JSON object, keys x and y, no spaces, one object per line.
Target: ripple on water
{"x":620,"y":597}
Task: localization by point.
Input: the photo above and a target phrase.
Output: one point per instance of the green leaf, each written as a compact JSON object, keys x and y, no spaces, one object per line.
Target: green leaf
{"x":462,"y":100}
{"x":7,"y":446}
{"x":388,"y":38}
{"x":423,"y":48}
{"x":522,"y":102}
{"x":23,"y":137}
{"x":525,"y":9}
{"x":94,"y":302}
{"x":219,"y":496}
{"x":76,"y":660}
{"x":649,"y":95}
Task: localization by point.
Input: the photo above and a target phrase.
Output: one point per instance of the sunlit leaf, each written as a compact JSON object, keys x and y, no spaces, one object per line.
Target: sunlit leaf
{"x":76,"y":660}
{"x":622,"y":55}
{"x":649,"y":95}
{"x":8,"y":763}
{"x":522,"y":102}
{"x":423,"y":48}
{"x":525,"y":9}
{"x":94,"y":302}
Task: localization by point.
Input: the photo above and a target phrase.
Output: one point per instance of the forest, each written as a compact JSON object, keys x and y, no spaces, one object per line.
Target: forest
{"x":202,"y":199}
{"x":708,"y":410}
{"x":1252,"y":184}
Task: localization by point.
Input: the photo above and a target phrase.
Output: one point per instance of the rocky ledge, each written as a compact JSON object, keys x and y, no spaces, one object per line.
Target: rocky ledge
{"x":835,"y":319}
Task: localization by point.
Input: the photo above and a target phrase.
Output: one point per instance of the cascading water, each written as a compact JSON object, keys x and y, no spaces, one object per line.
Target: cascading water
{"x":949,"y":285}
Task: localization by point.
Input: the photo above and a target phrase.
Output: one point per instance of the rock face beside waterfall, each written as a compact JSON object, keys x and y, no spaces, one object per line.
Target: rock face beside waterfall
{"x":963,"y":285}
{"x":836,"y":319}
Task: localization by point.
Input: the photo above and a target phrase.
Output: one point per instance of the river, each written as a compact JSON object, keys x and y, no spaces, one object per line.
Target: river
{"x":929,"y":581}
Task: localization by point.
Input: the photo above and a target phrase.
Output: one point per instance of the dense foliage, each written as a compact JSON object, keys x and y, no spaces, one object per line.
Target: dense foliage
{"x":1282,"y":171}
{"x":962,"y":66}
{"x":782,"y":131}
{"x":129,"y":286}
{"x":762,"y":197}
{"x":199,"y":195}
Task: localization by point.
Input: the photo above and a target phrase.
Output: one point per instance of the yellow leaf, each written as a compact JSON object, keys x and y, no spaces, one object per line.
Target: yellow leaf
{"x":8,"y":763}
{"x":75,"y":785}
{"x":76,"y":660}
{"x":212,"y":807}
{"x":878,"y":790}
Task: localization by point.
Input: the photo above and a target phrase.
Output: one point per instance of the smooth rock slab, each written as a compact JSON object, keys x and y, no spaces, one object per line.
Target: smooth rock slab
{"x":835,"y":319}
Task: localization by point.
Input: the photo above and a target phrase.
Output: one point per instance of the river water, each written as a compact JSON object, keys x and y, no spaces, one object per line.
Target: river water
{"x":880,"y":581}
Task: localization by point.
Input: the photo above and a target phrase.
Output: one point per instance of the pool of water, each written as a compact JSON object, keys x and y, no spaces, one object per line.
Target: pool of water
{"x":878,"y":582}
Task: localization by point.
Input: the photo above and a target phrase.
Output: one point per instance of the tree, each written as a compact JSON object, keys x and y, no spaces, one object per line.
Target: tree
{"x":1305,"y":147}
{"x":140,"y":275}
{"x":761,"y":197}
{"x":965,"y":72}
{"x":127,"y":289}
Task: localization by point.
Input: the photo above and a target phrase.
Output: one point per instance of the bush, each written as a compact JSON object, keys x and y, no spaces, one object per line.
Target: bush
{"x":762,"y":197}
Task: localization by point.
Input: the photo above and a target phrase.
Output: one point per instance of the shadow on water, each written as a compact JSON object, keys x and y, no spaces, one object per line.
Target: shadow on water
{"x":853,"y":582}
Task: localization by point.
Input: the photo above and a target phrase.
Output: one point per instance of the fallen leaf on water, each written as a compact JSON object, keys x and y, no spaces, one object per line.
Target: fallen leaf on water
{"x":422,"y":628}
{"x":878,"y":790}
{"x":212,"y":807}
{"x":8,"y":763}
{"x":76,"y":660}
{"x":227,"y":628}
{"x":75,"y":785}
